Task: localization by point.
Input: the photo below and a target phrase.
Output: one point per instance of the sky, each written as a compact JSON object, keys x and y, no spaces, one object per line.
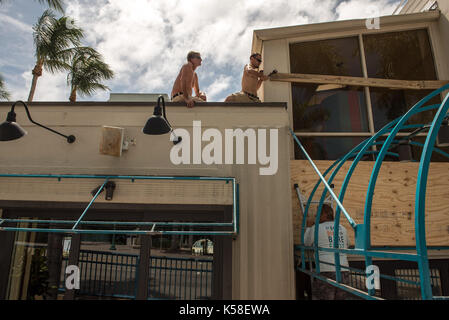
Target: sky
{"x":146,"y":41}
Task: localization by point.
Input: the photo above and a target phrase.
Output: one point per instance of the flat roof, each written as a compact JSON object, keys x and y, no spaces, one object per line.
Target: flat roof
{"x":143,"y":104}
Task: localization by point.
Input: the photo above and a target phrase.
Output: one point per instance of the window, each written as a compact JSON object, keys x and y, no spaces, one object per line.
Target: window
{"x":337,"y":57}
{"x":404,"y":55}
{"x":322,"y":111}
{"x":318,"y":109}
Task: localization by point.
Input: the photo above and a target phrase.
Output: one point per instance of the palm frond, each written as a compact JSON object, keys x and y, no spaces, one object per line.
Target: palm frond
{"x":54,"y":41}
{"x":55,"y":4}
{"x":87,"y":71}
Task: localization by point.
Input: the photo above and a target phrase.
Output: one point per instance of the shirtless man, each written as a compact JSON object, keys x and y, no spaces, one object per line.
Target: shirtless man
{"x":186,"y":80}
{"x":251,"y":81}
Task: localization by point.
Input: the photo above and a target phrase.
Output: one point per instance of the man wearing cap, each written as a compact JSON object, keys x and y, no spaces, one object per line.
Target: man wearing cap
{"x":186,"y":80}
{"x":251,"y":81}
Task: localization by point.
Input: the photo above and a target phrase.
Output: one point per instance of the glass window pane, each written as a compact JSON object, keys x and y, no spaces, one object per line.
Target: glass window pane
{"x":404,"y":55}
{"x":339,"y":57}
{"x":388,"y":105}
{"x":327,"y":148}
{"x":328,"y":109}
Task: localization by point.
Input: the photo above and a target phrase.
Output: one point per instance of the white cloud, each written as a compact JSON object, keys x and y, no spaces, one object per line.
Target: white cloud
{"x":6,"y":20}
{"x":218,"y":88}
{"x":50,"y":87}
{"x":359,"y":9}
{"x":146,"y":41}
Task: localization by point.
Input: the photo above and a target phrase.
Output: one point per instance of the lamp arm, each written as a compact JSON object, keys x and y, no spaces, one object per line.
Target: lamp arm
{"x":163,"y":108}
{"x":178,"y":139}
{"x":70,"y":139}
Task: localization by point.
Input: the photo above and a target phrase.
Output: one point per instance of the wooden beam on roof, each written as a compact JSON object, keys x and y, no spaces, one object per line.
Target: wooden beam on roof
{"x":358,"y":81}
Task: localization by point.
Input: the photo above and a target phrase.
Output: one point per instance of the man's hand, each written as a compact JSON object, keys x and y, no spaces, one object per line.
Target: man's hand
{"x":202,"y":96}
{"x":190,"y":103}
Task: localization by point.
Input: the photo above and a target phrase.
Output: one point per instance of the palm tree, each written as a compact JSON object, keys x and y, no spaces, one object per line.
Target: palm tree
{"x":87,"y":71}
{"x":4,"y":94}
{"x":54,"y":4}
{"x":55,"y":45}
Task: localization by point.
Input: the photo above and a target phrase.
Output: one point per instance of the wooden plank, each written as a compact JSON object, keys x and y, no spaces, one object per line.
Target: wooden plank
{"x":392,"y":218}
{"x":137,"y":192}
{"x":358,"y":81}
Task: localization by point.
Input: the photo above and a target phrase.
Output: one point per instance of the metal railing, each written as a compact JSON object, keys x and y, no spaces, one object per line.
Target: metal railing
{"x":180,"y":278}
{"x":106,"y":274}
{"x":204,"y":228}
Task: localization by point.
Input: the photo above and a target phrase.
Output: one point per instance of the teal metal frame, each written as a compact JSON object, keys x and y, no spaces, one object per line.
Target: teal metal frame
{"x":75,"y":230}
{"x":362,"y":232}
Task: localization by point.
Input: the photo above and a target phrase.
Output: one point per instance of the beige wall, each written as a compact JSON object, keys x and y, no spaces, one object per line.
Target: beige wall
{"x":262,"y":252}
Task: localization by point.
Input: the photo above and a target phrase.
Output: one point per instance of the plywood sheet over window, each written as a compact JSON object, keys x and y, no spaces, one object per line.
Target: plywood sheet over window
{"x":392,"y":217}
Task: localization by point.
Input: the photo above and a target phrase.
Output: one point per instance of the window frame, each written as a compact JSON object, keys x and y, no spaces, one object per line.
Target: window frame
{"x":428,"y":26}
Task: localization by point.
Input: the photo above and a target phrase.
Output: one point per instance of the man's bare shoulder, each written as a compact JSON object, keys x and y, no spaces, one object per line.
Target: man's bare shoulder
{"x":250,"y":67}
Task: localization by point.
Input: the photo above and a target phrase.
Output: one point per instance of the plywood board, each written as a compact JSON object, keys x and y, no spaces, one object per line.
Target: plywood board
{"x":392,"y":216}
{"x":126,"y":191}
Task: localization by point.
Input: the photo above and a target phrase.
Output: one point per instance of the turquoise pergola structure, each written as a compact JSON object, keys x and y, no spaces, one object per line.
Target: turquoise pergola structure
{"x":362,"y":231}
{"x":71,"y":227}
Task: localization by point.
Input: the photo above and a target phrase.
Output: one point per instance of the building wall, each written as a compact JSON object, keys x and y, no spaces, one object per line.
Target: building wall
{"x":262,"y":252}
{"x":440,"y":32}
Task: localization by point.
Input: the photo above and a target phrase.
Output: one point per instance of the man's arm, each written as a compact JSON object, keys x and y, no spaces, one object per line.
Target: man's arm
{"x":196,"y":86}
{"x":308,"y":236}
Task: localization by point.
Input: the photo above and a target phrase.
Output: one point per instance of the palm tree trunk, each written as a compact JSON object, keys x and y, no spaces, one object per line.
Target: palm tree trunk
{"x":37,"y":72}
{"x":73,"y":95}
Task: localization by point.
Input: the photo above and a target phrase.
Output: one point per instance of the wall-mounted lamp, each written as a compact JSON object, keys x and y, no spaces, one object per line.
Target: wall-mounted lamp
{"x":109,"y":186}
{"x":159,"y":124}
{"x":11,"y":130}
{"x":443,"y":134}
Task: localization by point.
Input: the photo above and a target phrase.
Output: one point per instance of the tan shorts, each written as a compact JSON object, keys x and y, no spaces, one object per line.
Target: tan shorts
{"x":241,"y":97}
{"x":180,"y":98}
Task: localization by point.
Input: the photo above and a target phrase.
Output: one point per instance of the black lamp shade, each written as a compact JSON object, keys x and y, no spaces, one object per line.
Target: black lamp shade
{"x":11,"y":131}
{"x":443,"y":136}
{"x":156,"y":125}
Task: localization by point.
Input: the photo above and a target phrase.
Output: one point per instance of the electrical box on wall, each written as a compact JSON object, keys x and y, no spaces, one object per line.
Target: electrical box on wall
{"x":112,"y":141}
